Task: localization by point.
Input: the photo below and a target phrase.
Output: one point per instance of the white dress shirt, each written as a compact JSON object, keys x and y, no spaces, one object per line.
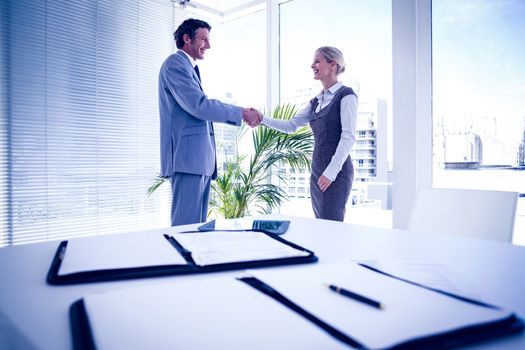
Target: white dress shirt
{"x":192,"y":61}
{"x":349,"y":105}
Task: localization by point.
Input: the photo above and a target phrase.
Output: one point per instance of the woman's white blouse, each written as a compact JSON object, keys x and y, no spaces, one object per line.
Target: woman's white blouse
{"x":349,"y":105}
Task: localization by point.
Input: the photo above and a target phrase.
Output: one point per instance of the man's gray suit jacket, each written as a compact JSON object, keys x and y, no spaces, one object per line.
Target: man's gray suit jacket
{"x":187,"y":142}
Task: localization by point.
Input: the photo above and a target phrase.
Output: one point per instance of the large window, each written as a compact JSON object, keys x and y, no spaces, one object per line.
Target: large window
{"x":79,"y":136}
{"x":362,"y":31}
{"x":479,"y":96}
{"x":234,"y":71}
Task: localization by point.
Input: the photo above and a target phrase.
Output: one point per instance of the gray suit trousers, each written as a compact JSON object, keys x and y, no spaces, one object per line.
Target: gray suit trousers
{"x":190,"y":196}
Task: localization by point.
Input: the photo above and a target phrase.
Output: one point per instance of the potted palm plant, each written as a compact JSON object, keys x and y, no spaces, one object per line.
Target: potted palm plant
{"x":244,"y":187}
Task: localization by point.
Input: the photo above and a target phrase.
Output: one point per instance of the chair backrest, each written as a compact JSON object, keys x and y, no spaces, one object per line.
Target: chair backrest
{"x":471,"y":213}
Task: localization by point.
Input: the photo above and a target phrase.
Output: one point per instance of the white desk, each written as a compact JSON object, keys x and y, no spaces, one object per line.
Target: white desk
{"x":39,"y":312}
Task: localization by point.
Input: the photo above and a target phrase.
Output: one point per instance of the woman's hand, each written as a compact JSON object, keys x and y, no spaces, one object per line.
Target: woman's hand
{"x":323,"y":183}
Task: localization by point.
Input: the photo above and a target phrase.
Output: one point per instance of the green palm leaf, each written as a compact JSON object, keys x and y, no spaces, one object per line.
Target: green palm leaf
{"x":252,"y":192}
{"x":245,"y":189}
{"x":156,"y":183}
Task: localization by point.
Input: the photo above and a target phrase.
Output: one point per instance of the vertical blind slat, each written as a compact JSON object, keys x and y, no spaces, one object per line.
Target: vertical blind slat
{"x":79,"y":143}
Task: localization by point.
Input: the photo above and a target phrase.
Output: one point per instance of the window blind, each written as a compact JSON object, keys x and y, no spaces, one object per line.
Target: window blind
{"x":80,"y":126}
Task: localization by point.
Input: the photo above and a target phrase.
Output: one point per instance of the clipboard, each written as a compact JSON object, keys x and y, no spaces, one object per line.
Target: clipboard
{"x":166,"y":315}
{"x":276,"y":227}
{"x":414,"y":316}
{"x":182,"y":253}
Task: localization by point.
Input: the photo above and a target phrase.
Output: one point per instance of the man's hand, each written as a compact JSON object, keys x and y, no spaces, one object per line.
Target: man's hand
{"x":252,"y":117}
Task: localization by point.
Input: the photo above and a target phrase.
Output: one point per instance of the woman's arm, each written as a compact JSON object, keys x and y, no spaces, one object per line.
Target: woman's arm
{"x":349,"y":105}
{"x":289,"y":126}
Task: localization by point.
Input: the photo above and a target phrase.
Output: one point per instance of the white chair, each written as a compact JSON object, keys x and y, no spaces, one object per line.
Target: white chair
{"x":471,"y":213}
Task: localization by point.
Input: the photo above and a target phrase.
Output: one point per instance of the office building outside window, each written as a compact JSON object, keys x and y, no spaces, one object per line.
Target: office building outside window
{"x":478,"y":96}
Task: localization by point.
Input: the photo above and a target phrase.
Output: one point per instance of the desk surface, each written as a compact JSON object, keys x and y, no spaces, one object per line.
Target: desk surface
{"x":39,"y":312}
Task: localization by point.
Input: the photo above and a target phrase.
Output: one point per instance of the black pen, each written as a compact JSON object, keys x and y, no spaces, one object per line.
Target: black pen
{"x":355,"y":296}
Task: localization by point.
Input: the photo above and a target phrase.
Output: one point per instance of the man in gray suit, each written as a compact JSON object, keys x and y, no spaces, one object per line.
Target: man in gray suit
{"x":187,"y":141}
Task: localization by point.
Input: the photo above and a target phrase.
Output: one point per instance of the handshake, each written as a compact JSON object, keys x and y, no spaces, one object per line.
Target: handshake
{"x":252,"y":117}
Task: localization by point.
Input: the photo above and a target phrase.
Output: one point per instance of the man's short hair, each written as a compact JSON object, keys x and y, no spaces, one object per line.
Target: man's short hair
{"x":190,"y":27}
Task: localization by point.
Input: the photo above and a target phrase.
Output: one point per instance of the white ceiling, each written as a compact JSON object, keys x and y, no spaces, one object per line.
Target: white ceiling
{"x":224,"y":10}
{"x":221,"y":10}
{"x":223,"y":5}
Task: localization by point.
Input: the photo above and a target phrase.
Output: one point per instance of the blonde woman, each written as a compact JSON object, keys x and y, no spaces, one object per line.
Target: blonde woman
{"x":332,"y":115}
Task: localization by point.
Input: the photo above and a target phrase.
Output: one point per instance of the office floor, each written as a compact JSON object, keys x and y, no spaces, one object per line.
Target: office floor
{"x":383,"y":218}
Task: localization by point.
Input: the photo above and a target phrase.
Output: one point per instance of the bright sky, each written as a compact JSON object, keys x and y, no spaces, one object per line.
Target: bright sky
{"x":360,"y":29}
{"x":236,"y":62}
{"x":478,"y":63}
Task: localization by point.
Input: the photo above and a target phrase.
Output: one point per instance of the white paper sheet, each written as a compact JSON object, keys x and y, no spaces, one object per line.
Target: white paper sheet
{"x":215,"y":247}
{"x":118,"y":251}
{"x":212,"y":313}
{"x":409,"y":311}
{"x":234,"y":224}
{"x":430,"y":274}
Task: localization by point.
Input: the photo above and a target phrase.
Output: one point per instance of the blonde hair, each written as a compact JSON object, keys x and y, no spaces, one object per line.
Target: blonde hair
{"x":332,"y":54}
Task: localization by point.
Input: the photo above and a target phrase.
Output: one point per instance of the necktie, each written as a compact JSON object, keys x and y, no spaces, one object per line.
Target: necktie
{"x":197,"y":71}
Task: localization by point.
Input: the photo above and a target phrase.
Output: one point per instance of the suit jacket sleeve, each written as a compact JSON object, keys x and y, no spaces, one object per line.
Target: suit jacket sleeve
{"x":178,"y":77}
{"x":187,"y":140}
